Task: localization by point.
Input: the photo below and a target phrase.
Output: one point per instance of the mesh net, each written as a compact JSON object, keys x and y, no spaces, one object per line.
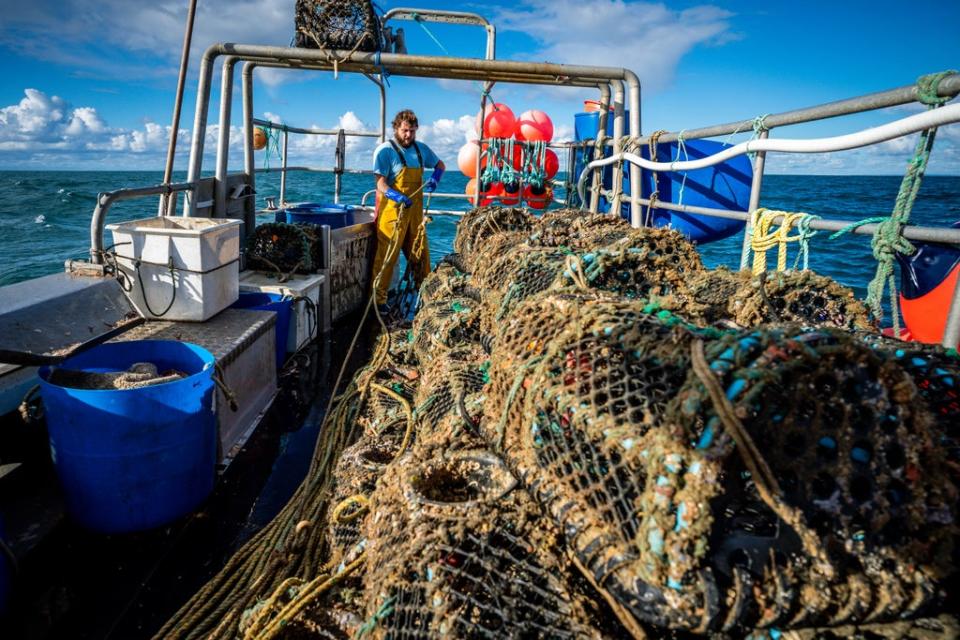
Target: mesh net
{"x":337,"y":24}
{"x":280,"y":247}
{"x":585,"y":433}
{"x":456,"y":551}
{"x":749,"y":301}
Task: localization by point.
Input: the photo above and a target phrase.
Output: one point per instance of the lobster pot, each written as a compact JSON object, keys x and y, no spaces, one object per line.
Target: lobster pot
{"x":337,"y":24}
{"x":455,"y":550}
{"x":179,"y":268}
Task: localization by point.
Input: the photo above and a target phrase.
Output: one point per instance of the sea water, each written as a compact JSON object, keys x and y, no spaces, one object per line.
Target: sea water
{"x":45,"y":215}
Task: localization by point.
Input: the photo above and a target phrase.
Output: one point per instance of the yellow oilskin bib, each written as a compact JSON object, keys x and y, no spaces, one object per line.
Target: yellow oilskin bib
{"x":407,"y":229}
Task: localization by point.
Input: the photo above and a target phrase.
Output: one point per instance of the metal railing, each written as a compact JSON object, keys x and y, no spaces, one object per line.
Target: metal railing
{"x":948,"y":87}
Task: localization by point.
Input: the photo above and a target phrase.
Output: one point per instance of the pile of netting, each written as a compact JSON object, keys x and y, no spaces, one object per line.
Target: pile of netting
{"x":585,"y":433}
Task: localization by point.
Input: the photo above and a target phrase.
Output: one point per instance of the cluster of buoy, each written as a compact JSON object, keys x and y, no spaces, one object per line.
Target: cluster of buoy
{"x":519,"y":156}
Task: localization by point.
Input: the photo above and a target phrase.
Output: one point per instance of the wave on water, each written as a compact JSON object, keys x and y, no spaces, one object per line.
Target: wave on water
{"x":40,"y":219}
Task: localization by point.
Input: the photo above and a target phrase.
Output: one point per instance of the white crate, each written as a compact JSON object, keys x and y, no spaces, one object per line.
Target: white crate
{"x":304,"y":325}
{"x":203,"y":252}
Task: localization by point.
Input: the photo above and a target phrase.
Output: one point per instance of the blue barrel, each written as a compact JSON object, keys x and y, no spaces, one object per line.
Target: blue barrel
{"x":723,"y":186}
{"x":280,"y":305}
{"x":134,"y":459}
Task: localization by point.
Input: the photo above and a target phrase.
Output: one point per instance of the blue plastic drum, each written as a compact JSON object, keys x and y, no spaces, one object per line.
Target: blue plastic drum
{"x":279,"y":304}
{"x":334,"y":215}
{"x":134,"y":459}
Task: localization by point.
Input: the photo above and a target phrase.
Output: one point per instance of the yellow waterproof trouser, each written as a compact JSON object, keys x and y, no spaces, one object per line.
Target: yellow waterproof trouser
{"x":411,"y":236}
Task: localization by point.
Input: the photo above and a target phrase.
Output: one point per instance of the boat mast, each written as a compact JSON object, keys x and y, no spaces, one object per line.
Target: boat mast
{"x":165,"y":200}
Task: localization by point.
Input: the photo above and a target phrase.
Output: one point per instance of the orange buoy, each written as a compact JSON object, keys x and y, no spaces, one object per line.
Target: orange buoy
{"x":538,"y":197}
{"x":928,"y":278}
{"x":511,"y":194}
{"x":487,"y":193}
{"x":590,"y":106}
{"x":534,"y":126}
{"x":259,"y":138}
{"x":551,"y":164}
{"x":467,"y":158}
{"x":498,"y":121}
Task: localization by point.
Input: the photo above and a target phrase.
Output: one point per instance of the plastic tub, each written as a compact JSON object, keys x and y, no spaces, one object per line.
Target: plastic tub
{"x":321,"y":215}
{"x":134,"y":459}
{"x":279,"y":304}
{"x":203,"y":252}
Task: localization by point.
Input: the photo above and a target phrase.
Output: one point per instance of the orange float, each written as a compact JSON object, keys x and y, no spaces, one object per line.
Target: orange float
{"x":487,"y":194}
{"x":551,"y":164}
{"x":534,"y":126}
{"x":467,"y":159}
{"x":259,"y":138}
{"x":538,"y":197}
{"x":498,"y":121}
{"x":511,"y":194}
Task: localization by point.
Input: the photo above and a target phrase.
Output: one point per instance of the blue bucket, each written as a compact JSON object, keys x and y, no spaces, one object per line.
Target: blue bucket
{"x":134,"y":459}
{"x":279,"y":304}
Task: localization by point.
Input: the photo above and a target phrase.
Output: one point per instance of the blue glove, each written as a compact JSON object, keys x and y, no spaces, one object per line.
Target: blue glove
{"x":398,"y":197}
{"x":434,"y":181}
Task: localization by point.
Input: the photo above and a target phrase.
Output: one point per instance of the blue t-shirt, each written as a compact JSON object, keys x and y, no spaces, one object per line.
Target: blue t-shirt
{"x":387,"y":164}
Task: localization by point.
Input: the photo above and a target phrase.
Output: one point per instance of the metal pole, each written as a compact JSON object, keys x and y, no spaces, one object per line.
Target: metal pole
{"x":223,"y":138}
{"x":383,"y":104}
{"x":618,"y":126}
{"x":199,"y":127}
{"x":758,"y":163}
{"x":599,"y":145}
{"x":951,"y":332}
{"x":340,"y":157}
{"x":178,"y":102}
{"x":250,"y":204}
{"x":283,"y":175}
{"x":634,"y":84}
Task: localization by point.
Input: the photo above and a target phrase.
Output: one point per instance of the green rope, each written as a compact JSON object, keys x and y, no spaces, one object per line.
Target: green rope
{"x":928,"y":88}
{"x":385,"y":610}
{"x":273,"y":146}
{"x":805,"y":233}
{"x":888,"y":239}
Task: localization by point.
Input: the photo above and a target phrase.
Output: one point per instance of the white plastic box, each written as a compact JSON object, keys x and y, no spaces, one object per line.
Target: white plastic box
{"x":304,"y":325}
{"x":204,"y":254}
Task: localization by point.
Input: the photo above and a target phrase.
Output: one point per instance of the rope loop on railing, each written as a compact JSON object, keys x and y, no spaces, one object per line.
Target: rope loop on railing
{"x":928,"y":88}
{"x":765,"y":237}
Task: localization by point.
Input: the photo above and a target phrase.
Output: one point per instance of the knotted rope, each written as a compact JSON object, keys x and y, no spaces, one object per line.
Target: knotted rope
{"x":765,"y":237}
{"x":888,"y":238}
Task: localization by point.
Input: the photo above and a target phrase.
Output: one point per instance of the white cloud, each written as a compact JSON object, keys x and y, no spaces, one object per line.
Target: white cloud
{"x":647,"y":37}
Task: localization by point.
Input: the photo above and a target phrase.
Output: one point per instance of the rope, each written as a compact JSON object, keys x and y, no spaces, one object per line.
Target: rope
{"x":681,"y":146}
{"x":888,"y":238}
{"x":652,"y":144}
{"x":763,"y":479}
{"x":384,"y":611}
{"x":419,"y":20}
{"x":765,"y":237}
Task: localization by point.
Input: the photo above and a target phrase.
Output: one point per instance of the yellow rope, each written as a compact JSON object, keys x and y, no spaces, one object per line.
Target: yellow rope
{"x":765,"y":236}
{"x":359,"y":500}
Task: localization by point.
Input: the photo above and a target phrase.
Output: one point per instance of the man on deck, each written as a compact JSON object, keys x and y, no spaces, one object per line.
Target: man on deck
{"x":398,"y":165}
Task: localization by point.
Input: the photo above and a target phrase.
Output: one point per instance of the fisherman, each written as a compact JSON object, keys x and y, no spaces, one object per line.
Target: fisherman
{"x":398,"y":166}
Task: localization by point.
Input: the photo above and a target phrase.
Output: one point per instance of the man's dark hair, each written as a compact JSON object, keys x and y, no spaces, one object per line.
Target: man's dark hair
{"x":408,"y":116}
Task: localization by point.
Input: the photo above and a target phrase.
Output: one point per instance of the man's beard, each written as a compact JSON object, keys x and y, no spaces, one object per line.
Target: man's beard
{"x":401,"y":142}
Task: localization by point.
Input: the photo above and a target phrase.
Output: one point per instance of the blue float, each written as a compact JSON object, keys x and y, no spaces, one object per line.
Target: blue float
{"x":724,"y":186}
{"x":279,"y":304}
{"x":134,"y":459}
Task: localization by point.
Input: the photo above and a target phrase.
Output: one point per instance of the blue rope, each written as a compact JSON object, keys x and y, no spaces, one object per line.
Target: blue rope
{"x":416,"y":17}
{"x":384,"y":74}
{"x":683,"y":146}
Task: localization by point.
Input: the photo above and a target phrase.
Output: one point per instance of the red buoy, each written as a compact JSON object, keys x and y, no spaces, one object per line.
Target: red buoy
{"x":534,"y":126}
{"x":498,"y":121}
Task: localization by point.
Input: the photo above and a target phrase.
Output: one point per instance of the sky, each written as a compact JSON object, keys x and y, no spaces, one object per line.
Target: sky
{"x":90,"y":84}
